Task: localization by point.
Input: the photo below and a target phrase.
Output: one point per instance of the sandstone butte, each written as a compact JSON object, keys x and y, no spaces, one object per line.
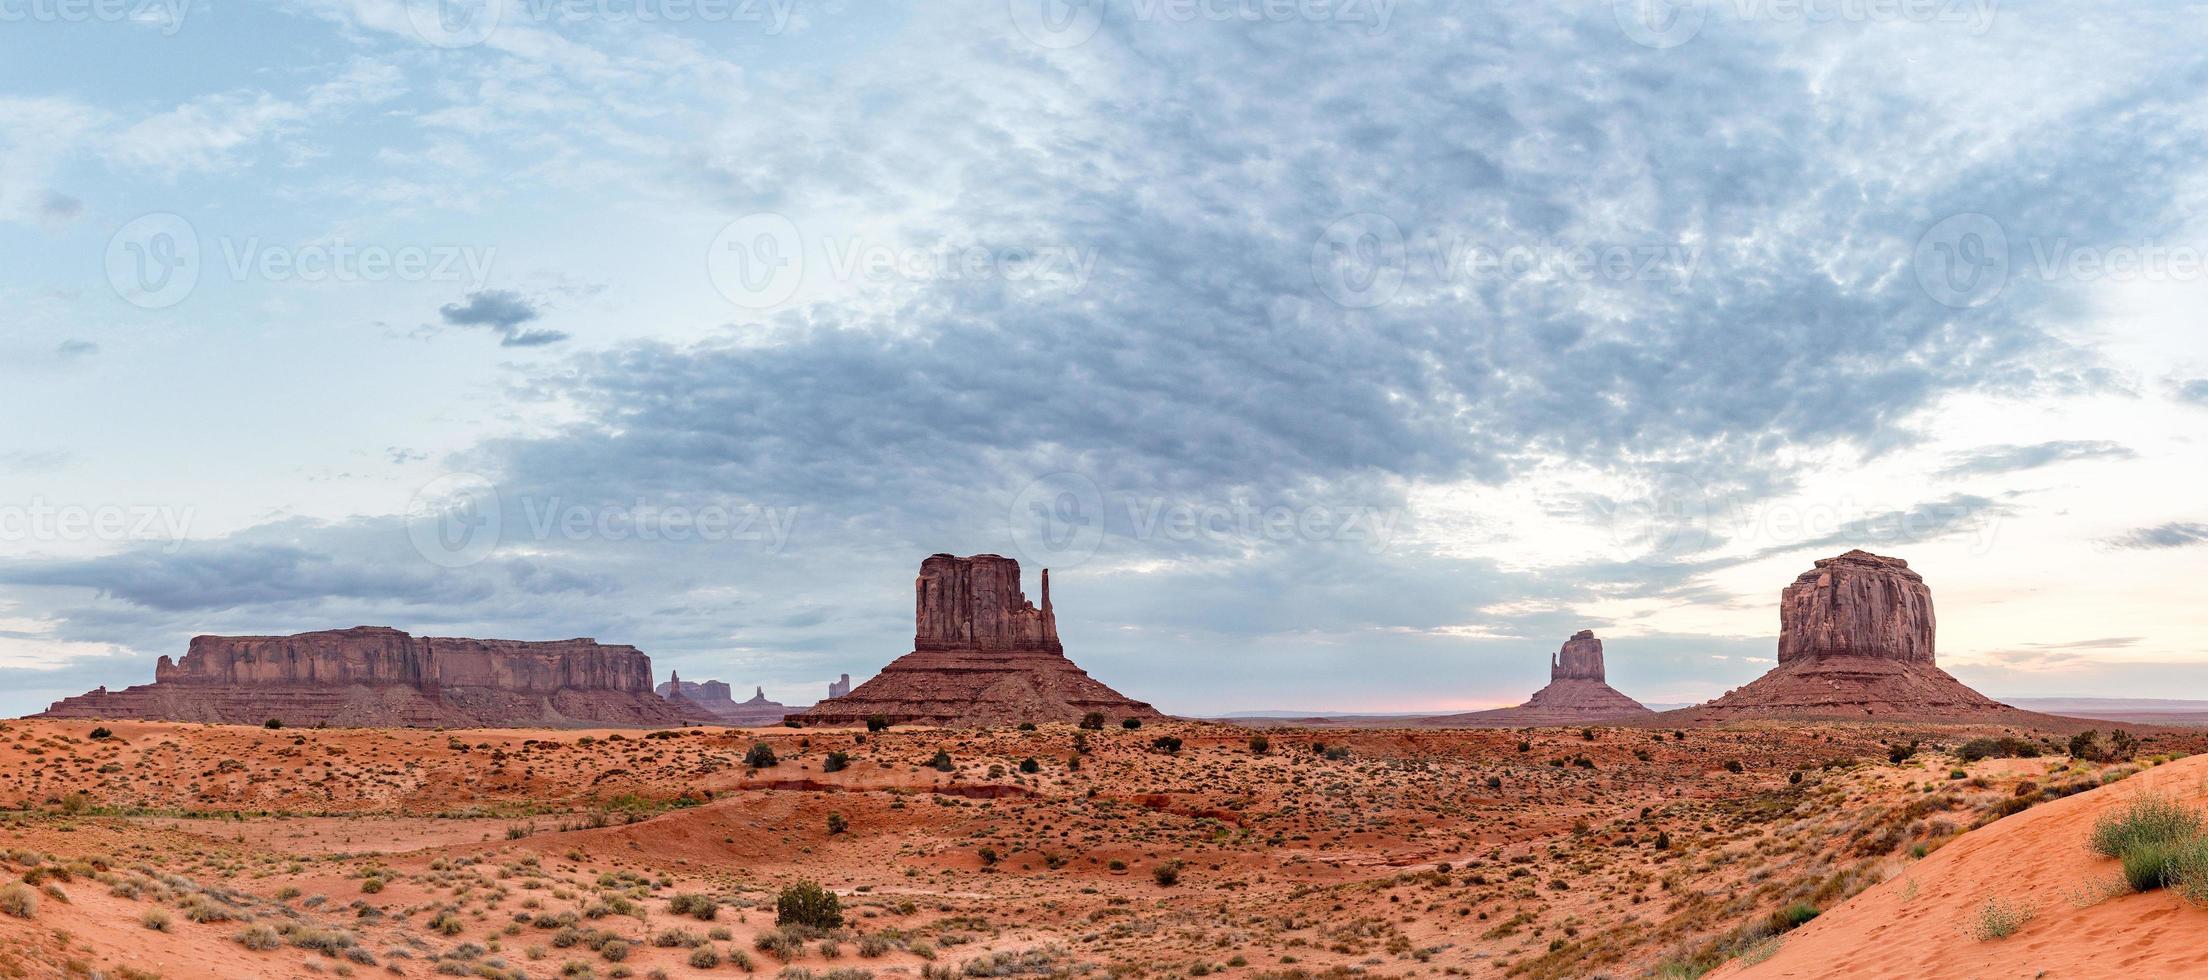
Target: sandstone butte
{"x":714,"y":699}
{"x":1577,"y":694}
{"x":372,"y":676}
{"x":1855,"y":641}
{"x":982,"y":654}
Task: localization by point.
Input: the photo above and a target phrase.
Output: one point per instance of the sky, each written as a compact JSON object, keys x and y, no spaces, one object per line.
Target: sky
{"x":1337,"y":354}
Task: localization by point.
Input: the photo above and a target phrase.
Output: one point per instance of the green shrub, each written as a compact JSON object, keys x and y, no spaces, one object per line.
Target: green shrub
{"x":836,"y":762}
{"x":837,"y":824}
{"x":1167,"y":874}
{"x":877,"y":723}
{"x":2148,"y":819}
{"x":155,"y":919}
{"x":1093,"y":721}
{"x":807,"y":904}
{"x":704,"y":958}
{"x":942,"y":761}
{"x":273,"y":723}
{"x":2005,"y":747}
{"x":1030,"y":766}
{"x":700,"y":907}
{"x":2188,"y":871}
{"x":1999,"y":920}
{"x":1131,"y":724}
{"x":1259,"y":745}
{"x":761,"y":756}
{"x":1167,"y":744}
{"x":101,"y":734}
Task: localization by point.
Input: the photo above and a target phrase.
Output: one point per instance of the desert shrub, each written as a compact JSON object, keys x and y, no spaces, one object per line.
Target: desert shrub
{"x":101,"y":734}
{"x":2188,"y":871}
{"x":1259,"y":744}
{"x":761,"y":756}
{"x":807,"y":904}
{"x":155,"y":919}
{"x":614,"y":951}
{"x":1131,"y":724}
{"x":1898,"y":753}
{"x":2087,"y":746}
{"x":1167,"y":874}
{"x":1030,"y":766}
{"x":2148,"y":819}
{"x":836,"y":762}
{"x":877,"y":723}
{"x":17,"y":899}
{"x":672,"y":938}
{"x":259,"y":938}
{"x":2148,"y":864}
{"x":873,"y":944}
{"x":273,"y":723}
{"x":700,"y":907}
{"x":942,"y":761}
{"x":2005,"y":747}
{"x":1093,"y":721}
{"x":1733,"y":765}
{"x":1793,"y":916}
{"x":837,"y":824}
{"x":1167,"y":744}
{"x":1999,"y":920}
{"x":704,"y":958}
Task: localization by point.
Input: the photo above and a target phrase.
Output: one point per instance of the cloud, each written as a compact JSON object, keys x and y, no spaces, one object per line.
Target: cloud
{"x":2177,"y":534}
{"x":1991,"y":460}
{"x":74,"y":349}
{"x":503,"y":311}
{"x":2195,"y":391}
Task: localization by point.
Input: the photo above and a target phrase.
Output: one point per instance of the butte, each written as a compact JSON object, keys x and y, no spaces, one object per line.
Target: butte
{"x":982,"y":654}
{"x":1577,"y":694}
{"x":1856,"y":641}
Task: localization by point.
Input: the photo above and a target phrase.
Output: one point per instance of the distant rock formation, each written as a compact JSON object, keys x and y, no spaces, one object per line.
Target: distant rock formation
{"x":982,"y":654}
{"x":714,"y":698}
{"x":1577,"y":694}
{"x":839,"y":688}
{"x":372,"y":676}
{"x":1856,"y":640}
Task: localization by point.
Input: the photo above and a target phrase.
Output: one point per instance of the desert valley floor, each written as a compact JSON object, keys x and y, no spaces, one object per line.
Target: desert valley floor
{"x":149,"y":849}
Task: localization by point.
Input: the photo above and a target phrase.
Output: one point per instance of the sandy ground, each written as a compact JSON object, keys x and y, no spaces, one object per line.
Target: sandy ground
{"x":1539,"y":853}
{"x":2083,"y":922}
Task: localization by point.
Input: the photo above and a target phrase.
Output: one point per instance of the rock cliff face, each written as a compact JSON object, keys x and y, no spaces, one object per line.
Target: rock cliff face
{"x":1855,"y":641}
{"x":714,"y":698}
{"x":379,"y":677}
{"x":1858,"y":604}
{"x":1580,"y":659}
{"x":982,"y":654}
{"x":839,"y":688}
{"x":1577,"y":694}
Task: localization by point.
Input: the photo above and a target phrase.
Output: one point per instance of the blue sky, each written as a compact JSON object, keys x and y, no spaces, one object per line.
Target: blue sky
{"x":1346,"y":354}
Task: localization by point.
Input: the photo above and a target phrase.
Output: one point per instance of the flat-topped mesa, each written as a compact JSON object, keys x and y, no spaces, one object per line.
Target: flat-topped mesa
{"x":377,"y":676}
{"x":714,"y":699}
{"x":1856,"y":641}
{"x":976,"y":604}
{"x":982,"y":654}
{"x":1579,"y":659}
{"x":1859,"y":605}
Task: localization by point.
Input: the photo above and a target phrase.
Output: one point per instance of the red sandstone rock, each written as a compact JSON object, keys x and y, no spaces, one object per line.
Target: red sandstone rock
{"x":982,"y":655}
{"x":380,"y":677}
{"x":1577,"y":694}
{"x":1856,"y":641}
{"x":714,"y":698}
{"x":1858,"y":604}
